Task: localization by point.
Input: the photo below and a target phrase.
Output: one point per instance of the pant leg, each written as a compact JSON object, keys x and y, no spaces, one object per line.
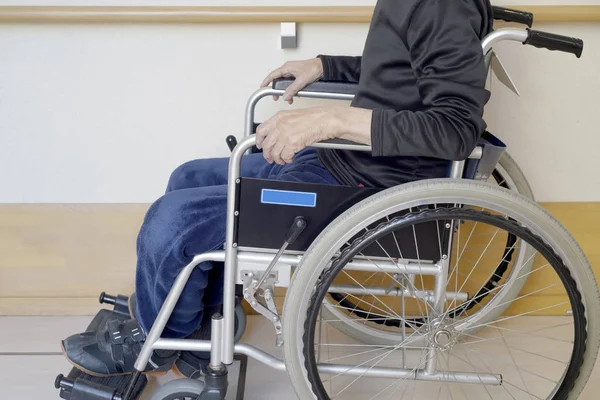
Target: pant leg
{"x":178,"y":226}
{"x":195,"y":201}
{"x":211,"y":172}
{"x":187,"y":222}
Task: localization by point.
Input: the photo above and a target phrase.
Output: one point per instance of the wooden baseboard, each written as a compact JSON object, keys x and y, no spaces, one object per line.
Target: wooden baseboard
{"x":56,"y":259}
{"x":235,"y":14}
{"x":49,"y":306}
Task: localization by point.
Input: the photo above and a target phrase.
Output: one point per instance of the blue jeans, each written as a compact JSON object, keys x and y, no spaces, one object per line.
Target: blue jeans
{"x":190,"y":220}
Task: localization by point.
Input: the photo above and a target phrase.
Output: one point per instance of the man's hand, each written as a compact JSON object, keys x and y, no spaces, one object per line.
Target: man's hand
{"x":305,"y":72}
{"x":288,"y":132}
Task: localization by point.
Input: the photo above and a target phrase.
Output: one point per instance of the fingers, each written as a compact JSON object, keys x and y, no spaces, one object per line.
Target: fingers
{"x":293,"y":90}
{"x":287,"y":155}
{"x":267,"y":146}
{"x":276,"y":74}
{"x":287,"y":70}
{"x":265,"y":138}
{"x":275,"y":153}
{"x":274,"y":142}
{"x":261,"y":133}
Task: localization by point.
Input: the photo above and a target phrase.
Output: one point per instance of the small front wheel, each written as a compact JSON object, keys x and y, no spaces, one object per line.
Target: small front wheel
{"x":180,"y":389}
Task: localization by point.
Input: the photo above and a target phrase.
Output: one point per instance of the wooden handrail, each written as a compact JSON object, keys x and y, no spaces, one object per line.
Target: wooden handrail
{"x":234,"y":14}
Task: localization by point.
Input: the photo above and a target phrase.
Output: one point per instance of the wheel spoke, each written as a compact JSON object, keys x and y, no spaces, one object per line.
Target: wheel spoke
{"x":489,"y":251}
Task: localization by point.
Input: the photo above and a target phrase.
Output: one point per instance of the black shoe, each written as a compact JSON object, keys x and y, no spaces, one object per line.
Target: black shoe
{"x":113,"y":350}
{"x":192,"y":364}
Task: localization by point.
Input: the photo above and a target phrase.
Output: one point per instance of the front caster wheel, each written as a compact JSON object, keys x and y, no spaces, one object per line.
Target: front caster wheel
{"x":180,"y":389}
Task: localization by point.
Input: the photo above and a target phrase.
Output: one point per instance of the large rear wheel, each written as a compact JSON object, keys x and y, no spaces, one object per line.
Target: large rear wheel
{"x":543,"y":347}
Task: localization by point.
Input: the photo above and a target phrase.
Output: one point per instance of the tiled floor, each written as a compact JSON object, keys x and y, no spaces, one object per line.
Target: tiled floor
{"x":30,"y":359}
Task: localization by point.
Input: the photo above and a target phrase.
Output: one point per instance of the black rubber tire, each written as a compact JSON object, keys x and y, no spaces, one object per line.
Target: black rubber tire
{"x":510,"y":226}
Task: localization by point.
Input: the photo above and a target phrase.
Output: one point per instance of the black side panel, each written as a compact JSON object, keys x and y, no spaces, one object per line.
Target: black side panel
{"x":265,"y":226}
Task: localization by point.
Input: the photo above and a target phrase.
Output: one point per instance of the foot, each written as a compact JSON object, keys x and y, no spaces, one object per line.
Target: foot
{"x":113,"y":350}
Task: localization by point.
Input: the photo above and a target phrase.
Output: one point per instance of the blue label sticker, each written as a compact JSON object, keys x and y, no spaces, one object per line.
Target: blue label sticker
{"x":288,"y":198}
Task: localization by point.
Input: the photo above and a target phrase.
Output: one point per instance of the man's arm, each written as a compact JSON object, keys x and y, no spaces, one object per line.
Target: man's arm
{"x":448,"y":62}
{"x":341,"y":68}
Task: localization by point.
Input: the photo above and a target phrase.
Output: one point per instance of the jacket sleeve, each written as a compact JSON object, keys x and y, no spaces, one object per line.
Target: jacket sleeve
{"x":341,"y":68}
{"x":447,"y":59}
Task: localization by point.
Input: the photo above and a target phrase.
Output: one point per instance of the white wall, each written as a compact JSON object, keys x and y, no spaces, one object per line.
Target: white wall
{"x":103,"y":113}
{"x":552,"y":130}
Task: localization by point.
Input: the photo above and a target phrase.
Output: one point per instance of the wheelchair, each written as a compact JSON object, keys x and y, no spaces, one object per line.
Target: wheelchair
{"x":441,"y":288}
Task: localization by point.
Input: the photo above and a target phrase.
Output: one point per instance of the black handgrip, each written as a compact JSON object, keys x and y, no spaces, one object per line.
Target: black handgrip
{"x":555,"y":42}
{"x":510,"y":15}
{"x":296,"y":229}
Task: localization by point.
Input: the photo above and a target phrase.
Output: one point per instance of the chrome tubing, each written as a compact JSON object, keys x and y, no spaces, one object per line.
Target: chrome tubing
{"x":437,"y":309}
{"x":428,"y":295}
{"x":457,"y":170}
{"x":216,"y":335}
{"x":231,"y":253}
{"x":264,"y":92}
{"x":501,"y":35}
{"x":205,"y":346}
{"x":333,"y":369}
{"x":169,"y":305}
{"x":355,"y":265}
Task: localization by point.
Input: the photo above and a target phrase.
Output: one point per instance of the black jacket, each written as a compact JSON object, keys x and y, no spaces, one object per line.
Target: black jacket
{"x":423,"y":74}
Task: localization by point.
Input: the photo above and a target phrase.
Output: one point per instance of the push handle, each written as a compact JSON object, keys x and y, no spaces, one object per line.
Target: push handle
{"x":555,"y":42}
{"x":510,"y":15}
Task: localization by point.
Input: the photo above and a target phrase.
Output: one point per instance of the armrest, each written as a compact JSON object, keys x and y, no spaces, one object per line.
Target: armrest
{"x":341,"y":144}
{"x":319,"y":86}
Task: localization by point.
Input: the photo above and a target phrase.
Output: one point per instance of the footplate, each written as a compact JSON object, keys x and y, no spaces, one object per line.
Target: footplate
{"x":80,"y":386}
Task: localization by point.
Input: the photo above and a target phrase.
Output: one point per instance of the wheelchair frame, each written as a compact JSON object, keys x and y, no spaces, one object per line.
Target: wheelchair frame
{"x":221,"y":346}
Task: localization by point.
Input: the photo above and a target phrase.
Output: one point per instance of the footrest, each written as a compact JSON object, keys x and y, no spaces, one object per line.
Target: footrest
{"x":81,"y":386}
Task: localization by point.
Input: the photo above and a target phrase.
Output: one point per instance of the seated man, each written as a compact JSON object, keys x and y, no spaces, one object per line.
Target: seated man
{"x":420,"y":100}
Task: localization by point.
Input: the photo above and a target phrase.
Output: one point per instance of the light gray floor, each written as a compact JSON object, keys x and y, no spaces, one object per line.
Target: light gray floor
{"x":30,"y":359}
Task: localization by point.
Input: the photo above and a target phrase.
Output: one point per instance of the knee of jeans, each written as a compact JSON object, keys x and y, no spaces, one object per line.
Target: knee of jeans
{"x":157,"y":234}
{"x":181,"y":177}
